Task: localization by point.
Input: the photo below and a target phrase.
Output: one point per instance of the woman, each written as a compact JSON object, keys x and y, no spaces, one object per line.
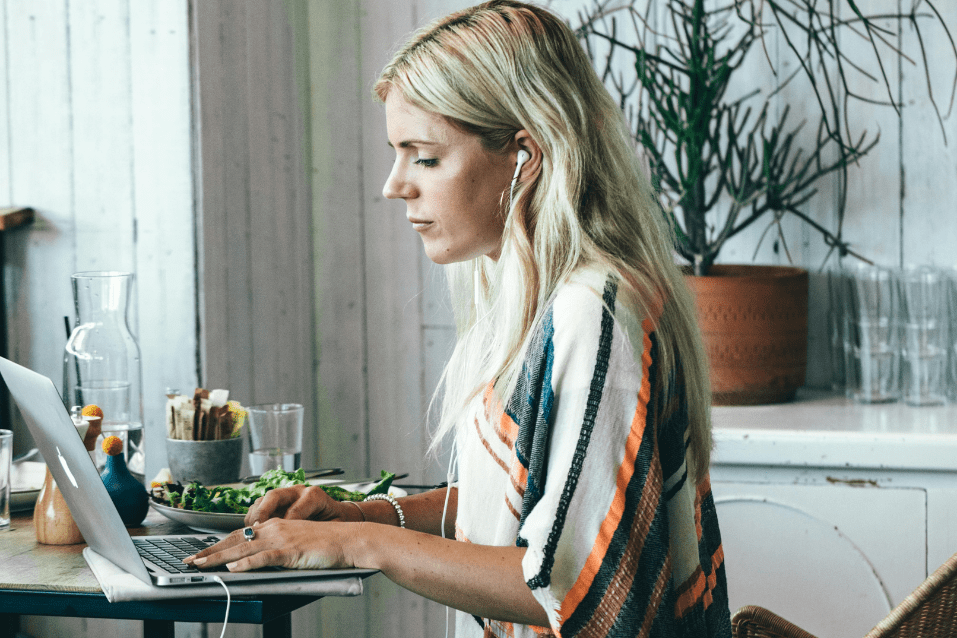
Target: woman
{"x":577,"y":391}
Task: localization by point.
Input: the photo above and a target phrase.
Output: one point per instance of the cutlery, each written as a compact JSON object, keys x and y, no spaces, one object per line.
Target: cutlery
{"x":364,"y":480}
{"x":410,"y":486}
{"x":329,"y":471}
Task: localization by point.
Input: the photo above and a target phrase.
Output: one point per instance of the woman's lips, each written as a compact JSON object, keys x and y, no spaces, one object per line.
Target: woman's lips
{"x":420,"y":224}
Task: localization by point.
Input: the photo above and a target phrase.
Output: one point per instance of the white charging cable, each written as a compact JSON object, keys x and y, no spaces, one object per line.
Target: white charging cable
{"x":475,"y":293}
{"x":453,"y":467}
{"x":228,"y":600}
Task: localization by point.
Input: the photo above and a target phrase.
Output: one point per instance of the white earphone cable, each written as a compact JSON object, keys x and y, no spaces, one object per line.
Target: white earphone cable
{"x":453,"y":466}
{"x":475,"y":284}
{"x":228,"y":601}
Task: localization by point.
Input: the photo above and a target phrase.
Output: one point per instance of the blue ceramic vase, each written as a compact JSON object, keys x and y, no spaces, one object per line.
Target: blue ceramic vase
{"x":129,"y":496}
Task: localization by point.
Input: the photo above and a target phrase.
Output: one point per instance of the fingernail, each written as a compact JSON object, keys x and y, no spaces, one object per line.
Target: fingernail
{"x":189,"y":559}
{"x":199,"y":561}
{"x":230,"y":566}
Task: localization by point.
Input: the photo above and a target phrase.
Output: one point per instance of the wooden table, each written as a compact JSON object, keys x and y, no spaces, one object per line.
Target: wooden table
{"x":51,"y":580}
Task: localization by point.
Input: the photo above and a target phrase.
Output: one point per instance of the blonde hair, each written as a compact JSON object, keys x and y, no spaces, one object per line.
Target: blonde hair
{"x":493,"y":70}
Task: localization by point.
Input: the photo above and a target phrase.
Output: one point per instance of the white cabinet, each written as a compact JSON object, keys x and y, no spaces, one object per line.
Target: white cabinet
{"x":834,"y":560}
{"x":832,"y":512}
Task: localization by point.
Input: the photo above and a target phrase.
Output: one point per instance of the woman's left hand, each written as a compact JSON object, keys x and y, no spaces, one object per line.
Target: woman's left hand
{"x":294,"y":544}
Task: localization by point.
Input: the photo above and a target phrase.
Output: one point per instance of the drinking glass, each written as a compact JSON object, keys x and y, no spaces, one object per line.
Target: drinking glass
{"x":837,"y":293}
{"x":924,"y":314}
{"x":275,"y":437}
{"x":872,"y":334}
{"x":6,"y":457}
{"x":951,"y":285}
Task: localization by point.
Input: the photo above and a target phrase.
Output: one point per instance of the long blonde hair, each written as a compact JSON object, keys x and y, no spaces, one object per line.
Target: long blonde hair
{"x":504,"y":66}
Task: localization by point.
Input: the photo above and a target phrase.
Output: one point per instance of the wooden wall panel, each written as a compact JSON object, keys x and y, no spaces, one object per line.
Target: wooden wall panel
{"x":342,"y":427}
{"x":37,"y":85}
{"x":164,"y":231}
{"x":256,"y":261}
{"x":210,"y":191}
{"x":220,"y":67}
{"x":256,"y":256}
{"x":6,"y":410}
{"x":102,"y":136}
{"x":874,"y":215}
{"x":336,"y":88}
{"x":5,"y":159}
{"x":929,"y":197}
{"x":39,"y":261}
{"x":279,"y":220}
{"x":393,"y":309}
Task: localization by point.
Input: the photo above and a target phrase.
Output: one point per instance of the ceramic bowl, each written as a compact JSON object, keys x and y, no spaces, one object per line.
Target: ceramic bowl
{"x":208,"y":462}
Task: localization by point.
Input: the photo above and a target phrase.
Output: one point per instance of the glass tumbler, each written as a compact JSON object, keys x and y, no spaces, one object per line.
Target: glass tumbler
{"x":951,"y":286}
{"x":836,"y":311}
{"x":872,"y":334}
{"x":101,"y":363}
{"x":924,"y":346}
{"x":6,"y":462}
{"x":275,"y":437}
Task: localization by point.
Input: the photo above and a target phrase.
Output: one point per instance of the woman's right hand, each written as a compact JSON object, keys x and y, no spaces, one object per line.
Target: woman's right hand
{"x":305,"y":502}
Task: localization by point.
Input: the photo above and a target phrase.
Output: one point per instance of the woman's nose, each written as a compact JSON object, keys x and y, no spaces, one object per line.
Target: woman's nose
{"x":396,"y":186}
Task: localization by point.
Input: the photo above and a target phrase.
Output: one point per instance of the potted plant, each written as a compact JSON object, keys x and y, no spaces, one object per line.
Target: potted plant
{"x":721,"y":163}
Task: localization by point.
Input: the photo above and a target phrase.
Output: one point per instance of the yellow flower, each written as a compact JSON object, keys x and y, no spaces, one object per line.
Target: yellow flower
{"x":113,"y":445}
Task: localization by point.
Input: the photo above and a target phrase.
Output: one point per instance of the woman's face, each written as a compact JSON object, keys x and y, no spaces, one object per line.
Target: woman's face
{"x":455,"y":191}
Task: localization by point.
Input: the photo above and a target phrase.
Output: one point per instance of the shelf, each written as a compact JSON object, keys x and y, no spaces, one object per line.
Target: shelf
{"x":824,"y":429}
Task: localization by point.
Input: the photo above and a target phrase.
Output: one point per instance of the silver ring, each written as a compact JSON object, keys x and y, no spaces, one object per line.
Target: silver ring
{"x":249,"y":533}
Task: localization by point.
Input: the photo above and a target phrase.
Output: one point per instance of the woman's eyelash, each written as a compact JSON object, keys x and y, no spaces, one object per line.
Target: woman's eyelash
{"x":427,"y":162}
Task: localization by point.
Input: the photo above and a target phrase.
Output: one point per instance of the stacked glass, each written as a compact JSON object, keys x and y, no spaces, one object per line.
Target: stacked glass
{"x":897,"y":331}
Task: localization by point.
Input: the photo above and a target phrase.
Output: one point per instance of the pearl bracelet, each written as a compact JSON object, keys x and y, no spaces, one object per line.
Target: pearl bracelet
{"x":394,"y":503}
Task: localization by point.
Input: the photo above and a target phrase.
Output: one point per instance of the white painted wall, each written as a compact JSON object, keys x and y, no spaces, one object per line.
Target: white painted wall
{"x":95,"y":134}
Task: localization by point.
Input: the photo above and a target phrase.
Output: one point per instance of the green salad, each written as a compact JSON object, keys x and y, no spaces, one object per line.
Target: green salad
{"x":231,"y":500}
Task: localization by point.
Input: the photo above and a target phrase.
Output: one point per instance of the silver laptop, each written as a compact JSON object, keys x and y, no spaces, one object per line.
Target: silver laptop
{"x":152,"y":559}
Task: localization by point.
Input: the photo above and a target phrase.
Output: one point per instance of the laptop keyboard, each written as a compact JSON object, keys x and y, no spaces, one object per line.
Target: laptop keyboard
{"x":169,"y":553}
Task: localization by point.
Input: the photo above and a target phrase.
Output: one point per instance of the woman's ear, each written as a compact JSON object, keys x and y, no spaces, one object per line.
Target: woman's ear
{"x":523,"y":142}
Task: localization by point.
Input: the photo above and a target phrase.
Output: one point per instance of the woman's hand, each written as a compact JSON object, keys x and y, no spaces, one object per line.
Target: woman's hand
{"x":302,"y":502}
{"x":294,"y":544}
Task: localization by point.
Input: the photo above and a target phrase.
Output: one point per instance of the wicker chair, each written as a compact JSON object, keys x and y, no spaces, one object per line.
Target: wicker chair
{"x":930,"y":611}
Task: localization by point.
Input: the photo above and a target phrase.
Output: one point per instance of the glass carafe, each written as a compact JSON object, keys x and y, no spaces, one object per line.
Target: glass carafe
{"x":101,"y":364}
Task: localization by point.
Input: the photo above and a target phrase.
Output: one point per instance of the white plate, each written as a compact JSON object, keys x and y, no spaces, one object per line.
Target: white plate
{"x":215,"y":523}
{"x":26,"y":481}
{"x":206,"y":522}
{"x":23,"y":500}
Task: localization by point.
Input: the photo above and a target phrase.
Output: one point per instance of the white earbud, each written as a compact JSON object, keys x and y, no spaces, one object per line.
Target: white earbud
{"x":523,"y":157}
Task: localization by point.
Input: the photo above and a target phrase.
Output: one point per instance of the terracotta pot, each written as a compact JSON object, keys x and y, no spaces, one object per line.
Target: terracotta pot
{"x":754,"y":324}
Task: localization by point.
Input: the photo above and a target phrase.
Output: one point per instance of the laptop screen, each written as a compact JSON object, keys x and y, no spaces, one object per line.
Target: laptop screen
{"x":72,"y":468}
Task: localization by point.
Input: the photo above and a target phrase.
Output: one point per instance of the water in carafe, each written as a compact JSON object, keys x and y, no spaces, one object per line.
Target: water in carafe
{"x":101,"y":364}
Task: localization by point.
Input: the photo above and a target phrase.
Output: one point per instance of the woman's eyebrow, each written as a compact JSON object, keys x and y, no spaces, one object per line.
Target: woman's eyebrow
{"x":408,"y":143}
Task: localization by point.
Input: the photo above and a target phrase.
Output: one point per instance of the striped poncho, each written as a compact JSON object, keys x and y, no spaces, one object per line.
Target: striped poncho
{"x":585,"y":467}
